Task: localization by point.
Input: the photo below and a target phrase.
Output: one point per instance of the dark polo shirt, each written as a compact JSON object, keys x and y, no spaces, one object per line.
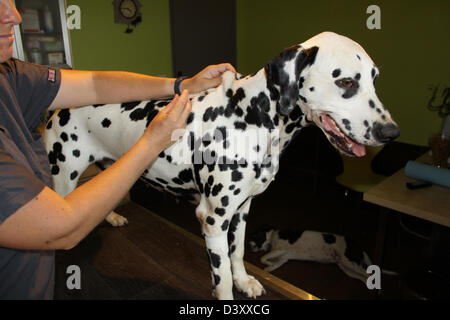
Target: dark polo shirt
{"x":26,"y":91}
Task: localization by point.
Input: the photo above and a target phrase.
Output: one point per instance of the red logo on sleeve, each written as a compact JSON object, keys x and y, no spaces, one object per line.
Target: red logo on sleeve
{"x":51,"y":75}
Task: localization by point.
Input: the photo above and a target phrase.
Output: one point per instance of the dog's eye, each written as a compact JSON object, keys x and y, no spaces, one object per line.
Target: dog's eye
{"x":345,"y":83}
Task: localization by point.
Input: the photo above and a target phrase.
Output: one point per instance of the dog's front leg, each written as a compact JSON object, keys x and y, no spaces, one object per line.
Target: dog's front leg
{"x":217,"y":247}
{"x":236,"y":236}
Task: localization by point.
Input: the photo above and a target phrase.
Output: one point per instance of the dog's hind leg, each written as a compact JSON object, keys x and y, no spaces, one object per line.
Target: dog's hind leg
{"x":236,"y":238}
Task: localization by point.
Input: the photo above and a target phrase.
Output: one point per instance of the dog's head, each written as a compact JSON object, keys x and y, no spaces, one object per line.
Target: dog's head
{"x":332,"y":78}
{"x":260,"y":239}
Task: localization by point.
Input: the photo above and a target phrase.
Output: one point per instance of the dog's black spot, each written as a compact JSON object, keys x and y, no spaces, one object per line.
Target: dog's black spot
{"x":311,"y":89}
{"x":231,"y":187}
{"x":49,"y":125}
{"x":371,"y":104}
{"x":300,"y":82}
{"x":290,"y":235}
{"x":56,"y":153}
{"x":91,"y":158}
{"x":186,"y":175}
{"x":207,"y":190}
{"x":236,"y":176}
{"x":359,"y":58}
{"x":258,"y":112}
{"x":73,"y":175}
{"x":336,"y":73}
{"x":127,"y":106}
{"x":106,"y":123}
{"x":224,"y":226}
{"x":210,"y":220}
{"x":55,"y":170}
{"x":216,"y":189}
{"x":76,"y":153}
{"x":64,"y":137}
{"x":378,"y":110}
{"x":303,"y":99}
{"x":329,"y":238}
{"x":224,"y":201}
{"x":373,"y":73}
{"x":216,"y":280}
{"x":358,"y":76}
{"x":235,"y":220}
{"x":214,"y":259}
{"x":64,"y":117}
{"x":98,"y":105}
{"x":366,"y":123}
{"x":220,"y":211}
{"x":239,"y":125}
{"x":190,"y":118}
{"x":353,"y":252}
{"x":74,"y":137}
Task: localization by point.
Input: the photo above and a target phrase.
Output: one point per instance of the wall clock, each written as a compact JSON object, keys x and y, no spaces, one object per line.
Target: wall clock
{"x":127,"y":11}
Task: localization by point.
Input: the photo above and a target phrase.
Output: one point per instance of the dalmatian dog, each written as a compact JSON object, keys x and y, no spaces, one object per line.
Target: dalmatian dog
{"x":285,"y":245}
{"x":229,"y":151}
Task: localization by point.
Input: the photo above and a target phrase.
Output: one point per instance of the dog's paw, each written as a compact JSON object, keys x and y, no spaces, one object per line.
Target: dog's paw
{"x":249,"y":286}
{"x":116,"y":220}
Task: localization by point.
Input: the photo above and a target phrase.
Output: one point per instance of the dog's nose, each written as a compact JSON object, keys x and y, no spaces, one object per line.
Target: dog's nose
{"x":385,"y":132}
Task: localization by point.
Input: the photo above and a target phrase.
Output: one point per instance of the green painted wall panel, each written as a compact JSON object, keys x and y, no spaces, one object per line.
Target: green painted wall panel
{"x":101,"y":44}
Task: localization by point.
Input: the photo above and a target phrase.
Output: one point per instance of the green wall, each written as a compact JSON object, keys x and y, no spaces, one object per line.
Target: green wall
{"x":411,"y":49}
{"x":101,"y":44}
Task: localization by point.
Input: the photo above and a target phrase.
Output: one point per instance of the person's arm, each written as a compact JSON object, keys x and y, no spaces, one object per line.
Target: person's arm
{"x":51,"y":222}
{"x":81,"y":88}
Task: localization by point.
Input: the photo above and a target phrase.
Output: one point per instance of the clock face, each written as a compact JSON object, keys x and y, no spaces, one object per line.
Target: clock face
{"x":128,"y":8}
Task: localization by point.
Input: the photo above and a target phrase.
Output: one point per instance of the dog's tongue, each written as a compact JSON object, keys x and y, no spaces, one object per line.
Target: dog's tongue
{"x":358,"y":149}
{"x":330,"y":125}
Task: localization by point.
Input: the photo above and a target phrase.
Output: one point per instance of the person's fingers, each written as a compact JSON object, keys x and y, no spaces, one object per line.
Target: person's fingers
{"x":215,"y":71}
{"x":168,"y":108}
{"x":186,"y":111}
{"x":180,"y":105}
{"x":227,"y":66}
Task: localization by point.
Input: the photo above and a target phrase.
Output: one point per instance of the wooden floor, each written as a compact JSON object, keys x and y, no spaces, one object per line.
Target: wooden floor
{"x":148,"y":259}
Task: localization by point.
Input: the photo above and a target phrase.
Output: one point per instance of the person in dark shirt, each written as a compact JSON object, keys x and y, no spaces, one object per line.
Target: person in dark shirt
{"x":34,"y":219}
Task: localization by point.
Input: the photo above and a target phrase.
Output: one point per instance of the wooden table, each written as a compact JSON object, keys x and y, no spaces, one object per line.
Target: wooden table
{"x":150,"y":258}
{"x":431,"y":203}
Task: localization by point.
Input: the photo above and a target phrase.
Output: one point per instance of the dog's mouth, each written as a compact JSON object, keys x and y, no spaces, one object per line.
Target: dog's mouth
{"x":339,"y":138}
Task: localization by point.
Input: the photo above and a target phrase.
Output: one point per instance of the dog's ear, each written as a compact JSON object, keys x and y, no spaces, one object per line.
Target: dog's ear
{"x":284,"y":72}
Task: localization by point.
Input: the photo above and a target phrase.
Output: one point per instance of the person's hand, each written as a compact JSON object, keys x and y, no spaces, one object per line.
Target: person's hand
{"x":210,"y":77}
{"x":162,"y":131}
